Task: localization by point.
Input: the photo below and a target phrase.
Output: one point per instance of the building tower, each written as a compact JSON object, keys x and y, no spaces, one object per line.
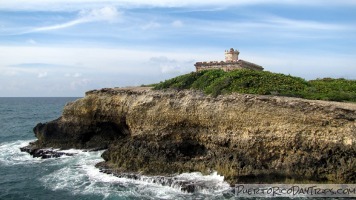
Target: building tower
{"x":231,"y":55}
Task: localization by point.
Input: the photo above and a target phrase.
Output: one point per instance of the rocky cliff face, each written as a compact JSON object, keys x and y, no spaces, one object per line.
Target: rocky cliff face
{"x":246,"y":138}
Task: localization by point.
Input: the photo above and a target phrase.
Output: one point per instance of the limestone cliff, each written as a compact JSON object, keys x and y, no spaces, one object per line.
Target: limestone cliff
{"x":246,"y":138}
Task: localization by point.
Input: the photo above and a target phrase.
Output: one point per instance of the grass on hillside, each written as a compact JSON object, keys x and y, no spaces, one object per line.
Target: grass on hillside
{"x":216,"y":82}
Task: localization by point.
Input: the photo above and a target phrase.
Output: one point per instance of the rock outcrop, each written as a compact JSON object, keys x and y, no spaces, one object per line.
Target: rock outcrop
{"x":245,"y":138}
{"x":44,"y":153}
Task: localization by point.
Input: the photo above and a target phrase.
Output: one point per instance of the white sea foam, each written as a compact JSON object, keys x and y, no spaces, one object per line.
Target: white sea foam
{"x":73,"y":151}
{"x":10,"y":153}
{"x":80,"y":176}
{"x":209,"y":183}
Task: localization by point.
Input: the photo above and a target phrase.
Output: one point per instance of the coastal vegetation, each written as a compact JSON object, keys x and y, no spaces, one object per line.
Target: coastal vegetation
{"x":217,"y":82}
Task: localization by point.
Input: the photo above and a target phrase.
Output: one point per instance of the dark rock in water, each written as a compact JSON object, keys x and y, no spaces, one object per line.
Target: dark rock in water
{"x":188,"y":186}
{"x":44,"y":153}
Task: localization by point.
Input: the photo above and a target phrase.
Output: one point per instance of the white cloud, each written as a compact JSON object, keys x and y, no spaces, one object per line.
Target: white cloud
{"x":31,"y":41}
{"x":57,"y":26}
{"x":42,"y":74}
{"x":110,"y":67}
{"x":305,"y":65}
{"x":74,"y":85}
{"x":46,"y":5}
{"x":108,"y":13}
{"x":74,"y":75}
{"x":10,"y":72}
{"x":272,"y":27}
{"x":72,"y":60}
{"x":151,"y":25}
{"x":172,"y":66}
{"x":177,"y":23}
{"x":301,"y":24}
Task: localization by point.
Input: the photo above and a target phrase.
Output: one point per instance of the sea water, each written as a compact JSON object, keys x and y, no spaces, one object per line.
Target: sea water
{"x":73,"y":177}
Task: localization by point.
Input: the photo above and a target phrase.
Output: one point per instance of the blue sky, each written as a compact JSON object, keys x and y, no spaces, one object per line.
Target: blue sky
{"x":67,"y":47}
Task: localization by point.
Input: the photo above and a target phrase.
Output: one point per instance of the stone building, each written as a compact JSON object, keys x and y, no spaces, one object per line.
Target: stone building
{"x":231,"y":62}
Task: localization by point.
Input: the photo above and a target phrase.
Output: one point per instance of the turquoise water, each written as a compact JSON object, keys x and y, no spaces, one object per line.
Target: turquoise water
{"x":75,"y":177}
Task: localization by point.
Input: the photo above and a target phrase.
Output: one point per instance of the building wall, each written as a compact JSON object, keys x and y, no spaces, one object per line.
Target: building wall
{"x":231,"y":56}
{"x":226,"y":66}
{"x":223,"y":67}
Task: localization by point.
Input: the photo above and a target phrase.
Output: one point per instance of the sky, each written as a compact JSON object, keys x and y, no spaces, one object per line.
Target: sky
{"x":67,"y":47}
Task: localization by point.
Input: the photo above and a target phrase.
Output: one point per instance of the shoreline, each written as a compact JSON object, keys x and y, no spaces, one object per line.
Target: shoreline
{"x":245,"y":138}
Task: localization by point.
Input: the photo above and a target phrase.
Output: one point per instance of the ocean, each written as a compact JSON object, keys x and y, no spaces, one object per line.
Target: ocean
{"x":23,"y":177}
{"x":71,"y":177}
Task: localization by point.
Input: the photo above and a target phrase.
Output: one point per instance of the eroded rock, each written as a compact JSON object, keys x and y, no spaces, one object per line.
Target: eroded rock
{"x":245,"y":138}
{"x":44,"y":153}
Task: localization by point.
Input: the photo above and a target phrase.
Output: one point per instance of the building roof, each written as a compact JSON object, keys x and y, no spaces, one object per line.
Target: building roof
{"x":253,"y":65}
{"x":242,"y":63}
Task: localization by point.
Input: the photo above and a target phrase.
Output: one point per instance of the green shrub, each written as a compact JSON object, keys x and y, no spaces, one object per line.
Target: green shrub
{"x":206,"y":78}
{"x":216,"y":82}
{"x":332,"y":89}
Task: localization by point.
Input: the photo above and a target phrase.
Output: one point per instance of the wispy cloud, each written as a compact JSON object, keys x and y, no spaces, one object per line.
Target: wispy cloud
{"x":177,"y":24}
{"x":31,"y":41}
{"x":46,"y":5}
{"x":151,"y":25}
{"x":74,"y":85}
{"x":74,"y":75}
{"x":160,"y":38}
{"x":35,"y":65}
{"x":57,"y":26}
{"x":172,"y":66}
{"x":271,"y":26}
{"x":275,"y":21}
{"x":108,"y":13}
{"x":42,"y":74}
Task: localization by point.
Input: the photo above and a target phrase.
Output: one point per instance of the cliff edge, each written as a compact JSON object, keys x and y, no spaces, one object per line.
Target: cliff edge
{"x":245,"y":138}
